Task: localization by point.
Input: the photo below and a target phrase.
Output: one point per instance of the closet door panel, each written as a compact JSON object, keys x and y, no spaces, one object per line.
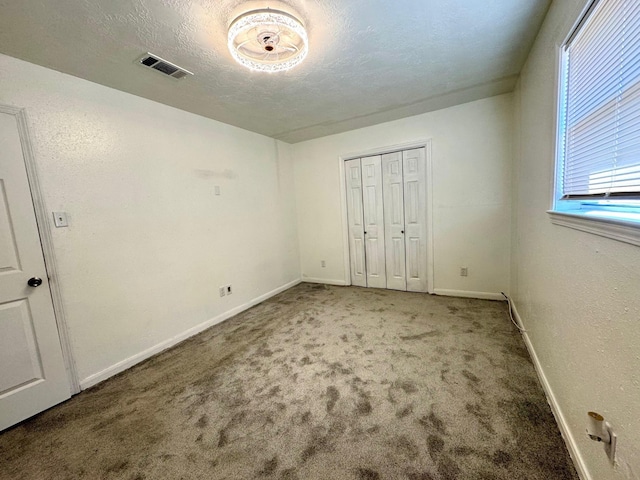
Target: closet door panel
{"x":415,"y":221}
{"x":393,"y":194}
{"x":355,"y":218}
{"x":374,"y":222}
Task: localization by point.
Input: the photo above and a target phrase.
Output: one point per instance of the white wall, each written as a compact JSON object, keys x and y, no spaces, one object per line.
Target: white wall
{"x":578,"y":294}
{"x":471,"y":147}
{"x":149,"y":243}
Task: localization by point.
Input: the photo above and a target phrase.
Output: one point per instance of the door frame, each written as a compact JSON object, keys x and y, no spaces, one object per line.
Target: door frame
{"x":46,"y":241}
{"x":426,"y":144}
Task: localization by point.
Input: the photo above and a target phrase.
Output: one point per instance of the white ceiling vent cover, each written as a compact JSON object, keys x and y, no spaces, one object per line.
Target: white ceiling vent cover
{"x":161,"y":65}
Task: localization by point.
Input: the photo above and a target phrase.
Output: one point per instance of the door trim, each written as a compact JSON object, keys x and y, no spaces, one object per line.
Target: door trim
{"x":426,"y":144}
{"x":46,"y":241}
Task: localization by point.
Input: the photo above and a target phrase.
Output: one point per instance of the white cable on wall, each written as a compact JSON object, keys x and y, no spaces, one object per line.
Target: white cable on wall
{"x":511,"y":313}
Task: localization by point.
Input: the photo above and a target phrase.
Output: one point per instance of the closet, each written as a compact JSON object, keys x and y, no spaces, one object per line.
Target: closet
{"x":386,"y":211}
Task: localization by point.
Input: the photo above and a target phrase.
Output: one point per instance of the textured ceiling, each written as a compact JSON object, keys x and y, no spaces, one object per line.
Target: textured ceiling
{"x":370,"y":61}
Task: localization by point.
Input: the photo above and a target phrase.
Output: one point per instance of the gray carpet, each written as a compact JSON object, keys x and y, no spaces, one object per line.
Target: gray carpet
{"x":316,"y":383}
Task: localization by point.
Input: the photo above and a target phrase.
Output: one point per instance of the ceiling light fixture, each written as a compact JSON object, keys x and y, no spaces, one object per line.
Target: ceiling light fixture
{"x":268,"y":40}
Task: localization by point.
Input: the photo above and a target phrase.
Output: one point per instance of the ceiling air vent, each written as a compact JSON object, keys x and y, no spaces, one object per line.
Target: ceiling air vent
{"x":155,"y":62}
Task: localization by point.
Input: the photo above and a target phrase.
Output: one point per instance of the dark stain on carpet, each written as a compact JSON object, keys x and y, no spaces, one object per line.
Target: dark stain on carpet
{"x":405,"y":447}
{"x":333,"y":395}
{"x":408,"y":410}
{"x":481,"y":415}
{"x":420,"y":476}
{"x":470,"y":376}
{"x":289,"y":474}
{"x":519,"y":350}
{"x":118,"y":467}
{"x":363,"y":406}
{"x":275,"y":390}
{"x":433,"y":333}
{"x":435,"y":444}
{"x":407,"y":386}
{"x":448,"y":469}
{"x":223,"y":439}
{"x":305,"y":361}
{"x":337,"y":367}
{"x":203,"y":421}
{"x":318,"y":443}
{"x":368,"y":474}
{"x":269,"y":467}
{"x":501,"y":458}
{"x":463,"y":451}
{"x":529,"y":412}
{"x":432,"y":421}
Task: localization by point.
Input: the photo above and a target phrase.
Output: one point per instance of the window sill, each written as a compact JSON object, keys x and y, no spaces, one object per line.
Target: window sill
{"x":623,"y":231}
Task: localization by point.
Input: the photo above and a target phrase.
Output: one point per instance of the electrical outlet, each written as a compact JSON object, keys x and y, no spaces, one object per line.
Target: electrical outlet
{"x":323,"y":263}
{"x":464,"y":272}
{"x":228,"y":289}
{"x":60,"y":219}
{"x":222,"y":290}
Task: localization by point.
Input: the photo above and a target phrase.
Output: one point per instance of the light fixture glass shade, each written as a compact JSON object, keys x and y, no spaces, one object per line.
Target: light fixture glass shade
{"x":268,"y":40}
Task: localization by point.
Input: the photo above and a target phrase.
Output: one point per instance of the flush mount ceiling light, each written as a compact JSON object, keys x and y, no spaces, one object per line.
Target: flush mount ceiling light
{"x":268,"y":40}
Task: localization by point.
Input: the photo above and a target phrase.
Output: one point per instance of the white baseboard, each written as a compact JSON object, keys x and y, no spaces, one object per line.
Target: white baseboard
{"x":327,"y":281}
{"x":149,"y":352}
{"x":569,"y":440}
{"x":469,"y":294}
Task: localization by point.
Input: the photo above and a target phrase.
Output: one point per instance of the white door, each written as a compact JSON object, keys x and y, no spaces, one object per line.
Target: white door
{"x":415,"y":218}
{"x":373,"y":221}
{"x":355,"y":218}
{"x":32,"y":372}
{"x":393,"y":188}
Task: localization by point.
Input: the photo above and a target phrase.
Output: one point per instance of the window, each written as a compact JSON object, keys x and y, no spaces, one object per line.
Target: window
{"x":598,"y":166}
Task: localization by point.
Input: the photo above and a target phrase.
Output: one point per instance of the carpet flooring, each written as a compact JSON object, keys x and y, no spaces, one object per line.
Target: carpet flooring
{"x":318,"y":382}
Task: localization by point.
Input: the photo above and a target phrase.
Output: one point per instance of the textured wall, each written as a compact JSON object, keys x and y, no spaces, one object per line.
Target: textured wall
{"x":149,"y":242}
{"x":471,"y":146}
{"x":577,"y":293}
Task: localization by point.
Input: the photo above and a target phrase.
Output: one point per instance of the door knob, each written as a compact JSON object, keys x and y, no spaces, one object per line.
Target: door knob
{"x":401,"y":231}
{"x":34,"y":282}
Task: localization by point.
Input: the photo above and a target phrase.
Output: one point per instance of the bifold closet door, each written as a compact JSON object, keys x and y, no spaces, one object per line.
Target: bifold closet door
{"x":355,"y":218}
{"x":373,"y":221}
{"x":386,"y":208}
{"x":394,"y":218}
{"x":415,"y":218}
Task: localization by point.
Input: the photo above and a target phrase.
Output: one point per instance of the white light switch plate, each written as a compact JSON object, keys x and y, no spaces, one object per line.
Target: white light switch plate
{"x":60,"y":219}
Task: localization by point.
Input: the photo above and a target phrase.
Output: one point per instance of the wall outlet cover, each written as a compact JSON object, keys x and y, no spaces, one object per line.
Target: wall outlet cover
{"x":60,"y":219}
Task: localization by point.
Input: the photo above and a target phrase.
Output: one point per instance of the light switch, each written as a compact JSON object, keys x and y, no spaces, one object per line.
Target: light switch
{"x":60,"y":219}
{"x":216,"y":189}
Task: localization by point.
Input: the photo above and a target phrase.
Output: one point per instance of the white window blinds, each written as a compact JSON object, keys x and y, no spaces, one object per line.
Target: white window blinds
{"x":602,"y":104}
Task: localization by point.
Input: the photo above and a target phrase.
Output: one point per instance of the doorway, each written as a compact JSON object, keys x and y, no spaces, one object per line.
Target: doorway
{"x":34,"y":376}
{"x":388,"y":219}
